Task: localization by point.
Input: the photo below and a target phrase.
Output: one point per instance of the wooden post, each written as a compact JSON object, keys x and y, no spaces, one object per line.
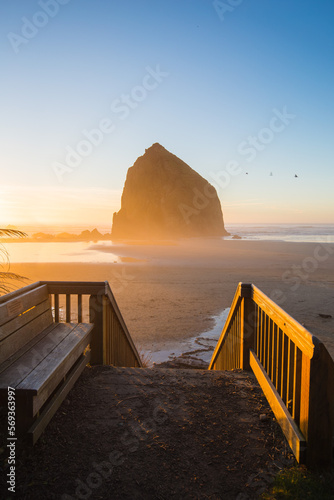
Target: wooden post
{"x":24,"y":417}
{"x":317,"y":407}
{"x":247,"y":325}
{"x":96,"y":317}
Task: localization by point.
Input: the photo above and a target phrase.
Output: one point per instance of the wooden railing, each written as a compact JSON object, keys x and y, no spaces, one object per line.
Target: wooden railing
{"x":293,"y":367}
{"x":93,"y":302}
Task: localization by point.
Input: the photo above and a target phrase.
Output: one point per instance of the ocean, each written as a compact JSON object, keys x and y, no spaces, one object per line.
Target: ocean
{"x":308,"y":233}
{"x":84,"y":251}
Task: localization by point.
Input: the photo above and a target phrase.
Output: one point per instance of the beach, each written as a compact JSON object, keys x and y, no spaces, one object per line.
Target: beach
{"x":172,"y":291}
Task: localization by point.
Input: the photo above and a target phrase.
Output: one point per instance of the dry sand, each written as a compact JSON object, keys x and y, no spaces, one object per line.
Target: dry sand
{"x":172,"y":291}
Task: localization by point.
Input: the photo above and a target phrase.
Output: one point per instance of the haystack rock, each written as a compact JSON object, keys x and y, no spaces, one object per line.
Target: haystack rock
{"x":163,"y":198}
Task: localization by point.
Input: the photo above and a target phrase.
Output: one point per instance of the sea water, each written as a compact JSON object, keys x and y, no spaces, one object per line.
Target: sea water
{"x":199,"y":347}
{"x":88,"y":251}
{"x":307,"y":233}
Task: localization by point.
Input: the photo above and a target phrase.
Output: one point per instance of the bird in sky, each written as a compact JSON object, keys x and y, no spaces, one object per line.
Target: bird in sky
{"x":296,"y":175}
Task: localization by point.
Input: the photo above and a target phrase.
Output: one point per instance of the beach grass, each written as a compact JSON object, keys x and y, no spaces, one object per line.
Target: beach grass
{"x":299,"y":483}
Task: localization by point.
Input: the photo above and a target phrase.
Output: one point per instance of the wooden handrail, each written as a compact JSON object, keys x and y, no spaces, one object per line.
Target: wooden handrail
{"x":226,"y":330}
{"x":292,"y":366}
{"x":20,"y":291}
{"x":294,"y":330}
{"x":112,"y":342}
{"x":115,"y":309}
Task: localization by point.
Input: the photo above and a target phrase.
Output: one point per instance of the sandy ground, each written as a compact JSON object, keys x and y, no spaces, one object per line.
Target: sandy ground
{"x":168,"y":292}
{"x":136,"y":434}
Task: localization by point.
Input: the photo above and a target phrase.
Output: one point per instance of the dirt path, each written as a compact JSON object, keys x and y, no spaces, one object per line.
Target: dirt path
{"x":156,"y":434}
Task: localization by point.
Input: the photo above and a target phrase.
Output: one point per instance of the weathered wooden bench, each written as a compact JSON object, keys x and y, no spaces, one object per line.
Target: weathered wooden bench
{"x":39,"y":358}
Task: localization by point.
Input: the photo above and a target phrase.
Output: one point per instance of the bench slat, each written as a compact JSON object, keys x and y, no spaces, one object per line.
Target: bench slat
{"x":39,"y":357}
{"x":24,"y":335}
{"x":47,"y":413}
{"x":24,"y":365}
{"x":12,"y":308}
{"x":47,"y":386}
{"x":54,"y":366}
{"x":18,"y":354}
{"x":16,"y":323}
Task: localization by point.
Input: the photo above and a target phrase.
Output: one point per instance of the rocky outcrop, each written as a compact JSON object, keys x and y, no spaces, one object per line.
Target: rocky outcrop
{"x":163,"y":198}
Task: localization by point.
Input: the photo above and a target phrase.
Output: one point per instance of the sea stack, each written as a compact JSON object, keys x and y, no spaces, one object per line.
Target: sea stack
{"x":163,"y":198}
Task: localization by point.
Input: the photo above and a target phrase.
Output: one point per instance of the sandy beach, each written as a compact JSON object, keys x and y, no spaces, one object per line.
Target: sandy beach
{"x":168,"y":292}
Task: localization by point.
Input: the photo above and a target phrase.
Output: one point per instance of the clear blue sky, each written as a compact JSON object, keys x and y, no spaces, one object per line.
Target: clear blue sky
{"x":208,"y":84}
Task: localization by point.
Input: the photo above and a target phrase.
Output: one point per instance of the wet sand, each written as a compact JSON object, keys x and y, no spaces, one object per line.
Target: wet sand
{"x":174,"y":291}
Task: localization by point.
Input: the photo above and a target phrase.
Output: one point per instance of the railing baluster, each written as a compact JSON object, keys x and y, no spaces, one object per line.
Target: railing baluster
{"x":282,"y":365}
{"x":79,"y":308}
{"x":237,"y":347}
{"x":279,"y":364}
{"x":269,"y":352}
{"x":56,"y":306}
{"x":260,"y":335}
{"x":272,"y":354}
{"x":258,"y":331}
{"x":297,"y":385}
{"x":68,"y":308}
{"x":265,"y":342}
{"x":285,"y":361}
{"x":288,"y":375}
{"x":289,"y":361}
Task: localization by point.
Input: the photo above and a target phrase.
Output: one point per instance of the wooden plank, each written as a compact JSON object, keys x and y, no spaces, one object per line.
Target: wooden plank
{"x":290,"y":378}
{"x":320,"y":430}
{"x":274,"y":356}
{"x":12,"y":308}
{"x":293,"y":435}
{"x":19,"y":292}
{"x":24,"y":411}
{"x":235,"y":304}
{"x":261,"y":334}
{"x":297,"y":386}
{"x":305,"y":394}
{"x":96,"y":317}
{"x":47,"y":413}
{"x":27,"y":362}
{"x":115,"y":307}
{"x":16,"y":323}
{"x":105,"y":331}
{"x":298,"y":334}
{"x":60,"y":372}
{"x":56,"y":296}
{"x":12,"y":359}
{"x":25,"y":334}
{"x":79,"y":308}
{"x":284,"y":362}
{"x":52,"y":364}
{"x":76,"y":287}
{"x":257,"y":342}
{"x":270,"y":349}
{"x":265,"y":341}
{"x":68,"y":308}
{"x":280,"y":340}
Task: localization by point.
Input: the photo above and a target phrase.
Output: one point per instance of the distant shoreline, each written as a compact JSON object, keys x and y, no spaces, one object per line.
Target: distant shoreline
{"x":176,"y":290}
{"x":41,"y":237}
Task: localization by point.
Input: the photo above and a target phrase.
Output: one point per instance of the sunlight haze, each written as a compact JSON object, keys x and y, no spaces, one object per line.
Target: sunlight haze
{"x":85,"y":94}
